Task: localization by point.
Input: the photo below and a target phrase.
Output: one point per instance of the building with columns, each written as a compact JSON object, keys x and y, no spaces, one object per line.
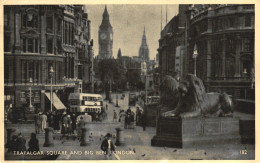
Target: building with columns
{"x":224,"y":35}
{"x":38,"y":38}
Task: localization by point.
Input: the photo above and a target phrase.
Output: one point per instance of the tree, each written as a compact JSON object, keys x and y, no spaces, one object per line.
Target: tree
{"x":110,"y":72}
{"x":134,"y":77}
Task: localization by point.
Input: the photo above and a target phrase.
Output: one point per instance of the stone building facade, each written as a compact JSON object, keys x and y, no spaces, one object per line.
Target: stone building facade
{"x":172,"y":36}
{"x":224,"y":35}
{"x":38,"y":37}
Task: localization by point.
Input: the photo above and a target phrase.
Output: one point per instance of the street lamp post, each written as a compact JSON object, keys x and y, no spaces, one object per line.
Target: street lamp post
{"x":195,"y":54}
{"x":51,"y":95}
{"x":30,"y":95}
{"x":110,"y":92}
{"x":117,"y":97}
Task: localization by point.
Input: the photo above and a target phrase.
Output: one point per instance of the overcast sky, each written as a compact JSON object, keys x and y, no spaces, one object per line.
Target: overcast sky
{"x":128,"y":23}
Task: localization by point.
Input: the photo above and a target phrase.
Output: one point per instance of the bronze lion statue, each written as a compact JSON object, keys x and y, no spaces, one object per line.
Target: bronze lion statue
{"x":195,"y":102}
{"x":169,"y":94}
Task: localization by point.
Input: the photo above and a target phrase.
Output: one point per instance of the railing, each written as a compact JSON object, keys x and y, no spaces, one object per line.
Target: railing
{"x":247,"y":78}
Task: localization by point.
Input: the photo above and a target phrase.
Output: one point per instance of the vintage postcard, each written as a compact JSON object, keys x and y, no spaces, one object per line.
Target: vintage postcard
{"x":124,"y":81}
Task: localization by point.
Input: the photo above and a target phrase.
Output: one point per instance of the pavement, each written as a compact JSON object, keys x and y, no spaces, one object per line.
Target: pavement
{"x":138,"y":143}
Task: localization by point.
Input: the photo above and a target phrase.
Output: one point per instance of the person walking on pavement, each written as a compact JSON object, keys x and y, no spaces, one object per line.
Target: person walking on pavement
{"x":37,"y":122}
{"x":143,"y":121}
{"x":73,"y":124}
{"x":108,"y":146}
{"x":56,"y":122}
{"x":81,"y":124}
{"x":33,"y":143}
{"x":115,"y":116}
{"x":43,"y":122}
{"x":69,"y":125}
{"x":106,"y":107}
{"x":64,"y":128}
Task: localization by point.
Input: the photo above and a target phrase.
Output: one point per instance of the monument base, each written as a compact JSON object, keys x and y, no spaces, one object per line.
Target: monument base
{"x":192,"y":132}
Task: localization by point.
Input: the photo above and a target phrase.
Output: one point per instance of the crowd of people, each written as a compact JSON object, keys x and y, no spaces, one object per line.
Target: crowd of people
{"x":60,"y":122}
{"x":18,"y":143}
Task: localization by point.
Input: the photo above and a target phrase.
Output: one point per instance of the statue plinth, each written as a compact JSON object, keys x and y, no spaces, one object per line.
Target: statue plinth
{"x":191,"y":132}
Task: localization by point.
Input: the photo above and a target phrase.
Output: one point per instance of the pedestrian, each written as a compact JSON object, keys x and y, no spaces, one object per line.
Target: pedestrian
{"x":51,"y":120}
{"x":106,"y":107}
{"x":64,"y":128}
{"x":56,"y":122}
{"x":43,"y":121}
{"x":128,"y":111}
{"x":73,"y":125}
{"x":33,"y":143}
{"x":69,"y":125}
{"x":108,"y":146}
{"x":115,"y":116}
{"x":37,"y":122}
{"x":13,"y":145}
{"x":21,"y":142}
{"x":143,"y":121}
{"x":81,"y":124}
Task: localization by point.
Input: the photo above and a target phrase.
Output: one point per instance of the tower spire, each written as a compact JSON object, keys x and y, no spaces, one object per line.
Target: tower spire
{"x":166,"y":15}
{"x":161,"y":17}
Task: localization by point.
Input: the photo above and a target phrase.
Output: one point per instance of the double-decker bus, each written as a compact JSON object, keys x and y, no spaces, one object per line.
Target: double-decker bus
{"x":81,"y":103}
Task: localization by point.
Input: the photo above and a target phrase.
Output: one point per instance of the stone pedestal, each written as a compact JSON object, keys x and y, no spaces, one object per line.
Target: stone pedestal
{"x":10,"y":133}
{"x":120,"y":140}
{"x":48,"y":137}
{"x":85,"y":137}
{"x":247,"y":131}
{"x":183,"y":133}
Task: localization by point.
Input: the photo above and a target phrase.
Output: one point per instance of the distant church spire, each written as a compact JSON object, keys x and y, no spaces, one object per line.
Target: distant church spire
{"x":166,"y":15}
{"x":143,"y":50}
{"x":161,"y":17}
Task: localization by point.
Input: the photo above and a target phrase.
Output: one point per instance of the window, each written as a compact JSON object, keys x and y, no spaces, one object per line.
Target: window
{"x":248,"y":21}
{"x":59,"y":46}
{"x":30,"y":45}
{"x":248,"y":45}
{"x":31,"y":70}
{"x":49,"y":23}
{"x":24,"y":71}
{"x":7,"y":42}
{"x":50,"y":45}
{"x":150,"y":83}
{"x":231,"y":22}
{"x":6,"y":19}
{"x":58,"y":25}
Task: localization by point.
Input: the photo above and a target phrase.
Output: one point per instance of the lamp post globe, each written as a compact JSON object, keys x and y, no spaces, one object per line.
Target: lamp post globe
{"x":30,"y":95}
{"x":51,"y":95}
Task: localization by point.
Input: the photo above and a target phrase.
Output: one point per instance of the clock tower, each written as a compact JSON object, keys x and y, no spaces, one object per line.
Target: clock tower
{"x":105,"y":37}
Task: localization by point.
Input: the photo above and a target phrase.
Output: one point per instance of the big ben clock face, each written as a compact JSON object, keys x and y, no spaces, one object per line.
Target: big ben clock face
{"x":103,"y":36}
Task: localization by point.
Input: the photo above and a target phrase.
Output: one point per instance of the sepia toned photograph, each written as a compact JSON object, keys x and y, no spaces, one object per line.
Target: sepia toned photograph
{"x":129,"y":82}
